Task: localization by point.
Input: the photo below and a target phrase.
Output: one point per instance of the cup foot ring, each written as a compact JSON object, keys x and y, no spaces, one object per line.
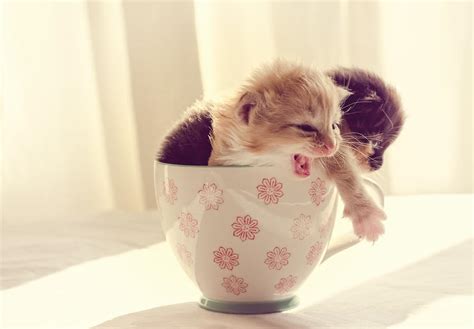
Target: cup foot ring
{"x":249,"y":307}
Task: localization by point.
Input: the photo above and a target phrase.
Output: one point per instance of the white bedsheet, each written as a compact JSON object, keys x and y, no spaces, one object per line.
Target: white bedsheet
{"x":115,"y":271}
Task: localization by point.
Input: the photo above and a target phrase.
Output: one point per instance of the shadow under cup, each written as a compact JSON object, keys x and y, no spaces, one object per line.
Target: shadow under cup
{"x":248,"y":237}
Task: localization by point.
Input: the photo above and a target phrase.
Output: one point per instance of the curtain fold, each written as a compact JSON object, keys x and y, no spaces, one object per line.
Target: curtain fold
{"x":119,"y":126}
{"x":54,"y":151}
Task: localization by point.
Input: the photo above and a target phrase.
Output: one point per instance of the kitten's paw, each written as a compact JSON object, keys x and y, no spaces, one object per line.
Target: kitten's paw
{"x":367,"y":221}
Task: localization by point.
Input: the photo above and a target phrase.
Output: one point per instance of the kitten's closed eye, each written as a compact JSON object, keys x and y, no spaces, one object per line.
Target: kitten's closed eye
{"x":306,"y":128}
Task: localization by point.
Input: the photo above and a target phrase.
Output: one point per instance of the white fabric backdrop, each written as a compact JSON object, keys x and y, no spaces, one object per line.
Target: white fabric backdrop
{"x":90,"y":88}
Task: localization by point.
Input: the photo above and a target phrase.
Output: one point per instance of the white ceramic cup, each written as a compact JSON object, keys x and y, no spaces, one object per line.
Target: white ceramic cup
{"x":247,"y":236}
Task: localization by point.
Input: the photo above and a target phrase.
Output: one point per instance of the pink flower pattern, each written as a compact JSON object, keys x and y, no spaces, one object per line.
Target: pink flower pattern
{"x":314,"y":253}
{"x":270,"y":190}
{"x":170,"y":191}
{"x":184,"y":255}
{"x":188,"y":224}
{"x":245,"y":227}
{"x":301,"y":227}
{"x":277,"y":258}
{"x":210,"y":196}
{"x":285,"y":284}
{"x":226,"y":258}
{"x":318,"y":191}
{"x":235,"y":285}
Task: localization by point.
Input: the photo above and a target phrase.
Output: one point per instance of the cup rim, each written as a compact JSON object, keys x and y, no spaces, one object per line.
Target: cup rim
{"x":213,"y":167}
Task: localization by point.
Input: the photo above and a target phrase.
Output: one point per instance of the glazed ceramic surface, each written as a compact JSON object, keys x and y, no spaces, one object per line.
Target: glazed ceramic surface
{"x":245,"y":234}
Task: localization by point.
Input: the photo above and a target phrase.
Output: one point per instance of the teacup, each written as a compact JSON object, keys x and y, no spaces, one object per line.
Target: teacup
{"x":247,"y":236}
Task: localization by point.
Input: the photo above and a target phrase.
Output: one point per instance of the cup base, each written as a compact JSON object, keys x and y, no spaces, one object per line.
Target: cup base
{"x":249,"y":307}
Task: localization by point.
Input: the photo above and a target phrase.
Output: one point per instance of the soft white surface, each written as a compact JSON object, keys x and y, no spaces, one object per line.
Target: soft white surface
{"x":111,"y":271}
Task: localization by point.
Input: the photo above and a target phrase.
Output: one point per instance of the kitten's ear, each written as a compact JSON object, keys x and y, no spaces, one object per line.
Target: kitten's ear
{"x":246,"y":106}
{"x":343,"y":93}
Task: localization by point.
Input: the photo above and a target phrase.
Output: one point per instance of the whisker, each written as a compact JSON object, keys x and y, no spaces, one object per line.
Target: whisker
{"x":347,"y":113}
{"x":386,"y":115}
{"x":356,"y":150}
{"x":354,"y":137}
{"x":323,"y":164}
{"x":353,"y":134}
{"x":337,"y":161}
{"x":355,"y":103}
{"x":353,"y":144}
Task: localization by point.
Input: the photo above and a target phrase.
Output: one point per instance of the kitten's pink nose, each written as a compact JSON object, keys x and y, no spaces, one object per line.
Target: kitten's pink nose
{"x":328,"y":147}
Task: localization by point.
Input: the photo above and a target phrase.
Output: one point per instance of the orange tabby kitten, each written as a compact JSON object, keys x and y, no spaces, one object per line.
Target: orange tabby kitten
{"x":287,"y":114}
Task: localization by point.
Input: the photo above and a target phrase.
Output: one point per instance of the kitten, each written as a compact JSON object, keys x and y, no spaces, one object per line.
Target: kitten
{"x":372,"y":115}
{"x":188,"y":142}
{"x":287,"y":114}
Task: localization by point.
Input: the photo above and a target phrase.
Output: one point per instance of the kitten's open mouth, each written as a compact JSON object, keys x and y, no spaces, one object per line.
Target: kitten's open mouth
{"x":301,"y":165}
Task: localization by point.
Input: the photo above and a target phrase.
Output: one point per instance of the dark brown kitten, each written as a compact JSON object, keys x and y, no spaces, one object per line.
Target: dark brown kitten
{"x":372,"y":115}
{"x":188,"y":142}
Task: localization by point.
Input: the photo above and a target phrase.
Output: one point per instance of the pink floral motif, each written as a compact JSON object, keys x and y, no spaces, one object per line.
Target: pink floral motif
{"x":210,"y":196}
{"x":184,"y":255}
{"x":245,"y":228}
{"x":277,"y":258}
{"x":170,"y":191}
{"x":318,"y":191}
{"x":285,"y":284}
{"x":235,"y":285}
{"x":301,"y":227}
{"x":270,"y":191}
{"x":188,"y":224}
{"x":226,"y":258}
{"x":314,"y":253}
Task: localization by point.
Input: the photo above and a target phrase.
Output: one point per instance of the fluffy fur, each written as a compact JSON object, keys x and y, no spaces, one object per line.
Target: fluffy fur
{"x":188,"y":142}
{"x":372,"y":115}
{"x":282,"y":110}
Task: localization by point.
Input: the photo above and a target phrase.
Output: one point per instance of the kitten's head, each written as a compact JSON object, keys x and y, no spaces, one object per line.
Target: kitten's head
{"x":372,"y":115}
{"x":288,"y":114}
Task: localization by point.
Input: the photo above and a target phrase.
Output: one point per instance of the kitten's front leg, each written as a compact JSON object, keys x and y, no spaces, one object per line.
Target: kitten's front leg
{"x":366,"y":216}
